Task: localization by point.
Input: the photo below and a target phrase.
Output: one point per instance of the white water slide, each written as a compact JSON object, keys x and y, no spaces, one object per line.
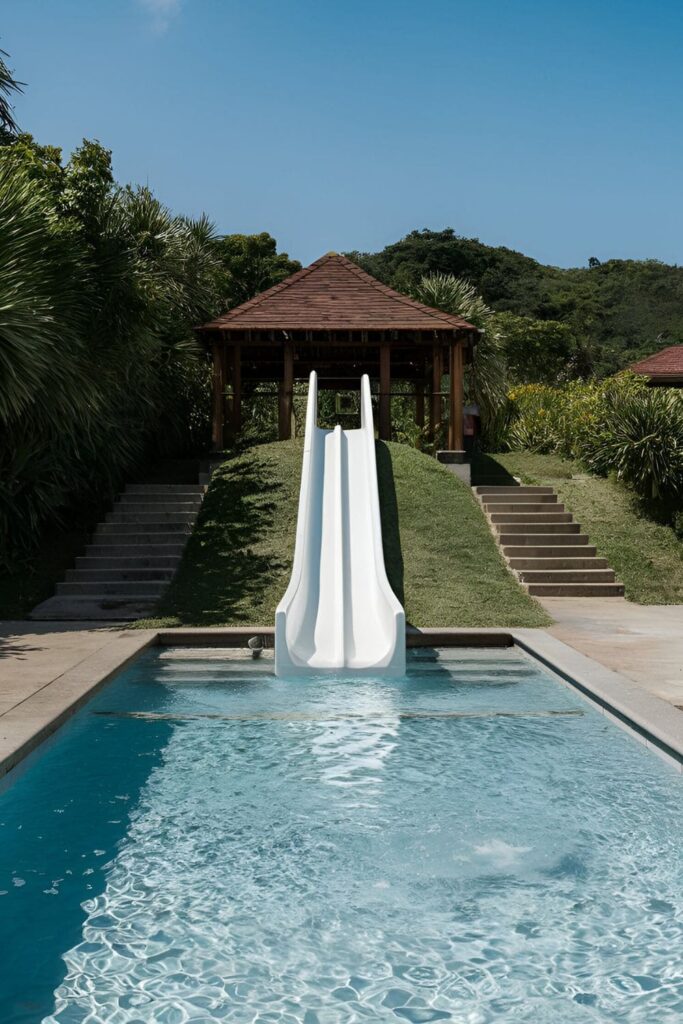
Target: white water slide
{"x":339,"y":612}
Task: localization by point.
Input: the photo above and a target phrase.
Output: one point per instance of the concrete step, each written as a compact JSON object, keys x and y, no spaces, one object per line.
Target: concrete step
{"x":550,"y":550}
{"x":517,"y":499}
{"x":170,"y":501}
{"x":545,"y":562}
{"x":576,"y":589}
{"x":531,"y":518}
{"x":165,"y":489}
{"x":93,"y":575}
{"x":149,"y":561}
{"x":151,"y":514}
{"x":533,"y":530}
{"x":94,"y":608}
{"x":512,"y":489}
{"x":144,"y":530}
{"x":116,"y":545}
{"x":567,"y":576}
{"x":150,"y":590}
{"x":542,"y":539}
{"x":526,"y":508}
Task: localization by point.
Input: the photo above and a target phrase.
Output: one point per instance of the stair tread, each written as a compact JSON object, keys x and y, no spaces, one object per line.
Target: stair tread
{"x":576,"y":589}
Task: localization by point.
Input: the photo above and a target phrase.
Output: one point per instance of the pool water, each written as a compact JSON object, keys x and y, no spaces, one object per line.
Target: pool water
{"x":473,"y":843}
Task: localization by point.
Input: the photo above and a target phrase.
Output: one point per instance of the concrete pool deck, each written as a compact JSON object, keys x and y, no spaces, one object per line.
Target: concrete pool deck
{"x":48,"y":670}
{"x":642,"y":642}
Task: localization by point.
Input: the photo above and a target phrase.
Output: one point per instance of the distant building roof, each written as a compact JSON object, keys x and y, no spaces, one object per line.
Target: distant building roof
{"x":335,"y":294}
{"x":662,"y":367}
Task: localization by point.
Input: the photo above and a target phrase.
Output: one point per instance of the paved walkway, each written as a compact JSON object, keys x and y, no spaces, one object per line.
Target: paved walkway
{"x":642,"y":642}
{"x":47,"y":670}
{"x":35,"y":654}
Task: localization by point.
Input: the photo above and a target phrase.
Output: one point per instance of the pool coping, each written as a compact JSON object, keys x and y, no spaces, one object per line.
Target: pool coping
{"x":654,"y":721}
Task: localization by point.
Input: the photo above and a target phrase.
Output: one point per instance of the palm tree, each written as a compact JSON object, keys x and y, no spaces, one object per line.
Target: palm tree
{"x":8,"y":86}
{"x":486,"y":379}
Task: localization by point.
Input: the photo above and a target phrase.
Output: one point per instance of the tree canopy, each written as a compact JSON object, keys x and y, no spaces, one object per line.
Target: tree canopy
{"x":616,"y":311}
{"x":251,"y":264}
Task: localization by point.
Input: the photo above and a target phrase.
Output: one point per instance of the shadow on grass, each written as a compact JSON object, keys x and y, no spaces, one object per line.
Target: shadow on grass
{"x":487,"y":471}
{"x":391,"y":539}
{"x":222,"y":573}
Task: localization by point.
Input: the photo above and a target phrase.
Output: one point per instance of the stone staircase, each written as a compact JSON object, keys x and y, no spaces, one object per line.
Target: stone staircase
{"x":543,"y":545}
{"x":132,"y":555}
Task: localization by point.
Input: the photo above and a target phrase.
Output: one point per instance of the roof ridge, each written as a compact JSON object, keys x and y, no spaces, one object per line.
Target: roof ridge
{"x":440,"y":319}
{"x":438,"y":314}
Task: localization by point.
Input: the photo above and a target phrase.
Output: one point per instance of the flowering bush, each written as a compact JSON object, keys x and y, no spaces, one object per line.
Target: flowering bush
{"x":617,"y":425}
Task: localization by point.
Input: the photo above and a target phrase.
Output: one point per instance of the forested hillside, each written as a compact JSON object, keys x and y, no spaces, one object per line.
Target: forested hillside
{"x":618,"y":310}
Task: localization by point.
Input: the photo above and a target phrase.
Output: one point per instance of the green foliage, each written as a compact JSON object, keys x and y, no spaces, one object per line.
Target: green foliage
{"x":617,"y":311}
{"x":486,"y":378}
{"x":618,"y":426}
{"x":251,"y":263}
{"x":99,"y":290}
{"x":643,"y":442}
{"x":8,"y":87}
{"x":537,"y":350}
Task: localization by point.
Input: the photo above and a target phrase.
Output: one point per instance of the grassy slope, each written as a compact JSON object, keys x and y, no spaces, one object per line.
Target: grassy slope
{"x":646,"y":556}
{"x":445,"y":567}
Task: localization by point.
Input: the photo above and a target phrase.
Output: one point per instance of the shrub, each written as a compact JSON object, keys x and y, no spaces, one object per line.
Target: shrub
{"x":642,"y":441}
{"x":618,"y":425}
{"x":99,"y":290}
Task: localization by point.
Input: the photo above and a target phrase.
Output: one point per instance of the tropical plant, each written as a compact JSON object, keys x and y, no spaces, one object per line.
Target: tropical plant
{"x":486,"y":378}
{"x":620,"y":426}
{"x":8,"y":86}
{"x":642,"y":442}
{"x":99,"y":290}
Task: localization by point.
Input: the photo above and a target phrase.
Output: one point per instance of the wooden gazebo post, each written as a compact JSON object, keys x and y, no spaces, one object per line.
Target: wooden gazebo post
{"x":286,"y":392}
{"x":218,"y":395}
{"x":456,"y":442}
{"x":236,"y":381}
{"x":384,"y":390}
{"x":437,"y":373}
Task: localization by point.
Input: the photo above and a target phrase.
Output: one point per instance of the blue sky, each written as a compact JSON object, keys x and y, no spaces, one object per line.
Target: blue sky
{"x":550,"y":127}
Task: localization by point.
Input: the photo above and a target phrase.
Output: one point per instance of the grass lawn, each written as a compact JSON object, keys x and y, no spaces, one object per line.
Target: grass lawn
{"x":441,"y":558}
{"x":646,"y":555}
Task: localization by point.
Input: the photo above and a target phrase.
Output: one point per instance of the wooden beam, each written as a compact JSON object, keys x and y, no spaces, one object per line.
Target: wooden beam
{"x":437,"y":373}
{"x":456,"y":441}
{"x":218,"y":395}
{"x":385,"y":391}
{"x":286,"y":392}
{"x":236,"y":389}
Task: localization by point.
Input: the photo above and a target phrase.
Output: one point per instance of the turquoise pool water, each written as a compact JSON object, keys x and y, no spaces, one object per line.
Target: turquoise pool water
{"x":473,"y":843}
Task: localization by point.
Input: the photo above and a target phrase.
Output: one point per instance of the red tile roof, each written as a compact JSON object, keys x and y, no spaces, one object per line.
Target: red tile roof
{"x":667,"y":363}
{"x":335,"y":294}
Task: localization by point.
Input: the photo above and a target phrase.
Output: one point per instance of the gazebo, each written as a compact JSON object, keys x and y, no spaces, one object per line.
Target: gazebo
{"x":335,"y":318}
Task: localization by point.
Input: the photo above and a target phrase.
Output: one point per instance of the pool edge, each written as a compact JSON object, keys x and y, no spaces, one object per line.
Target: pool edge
{"x":654,"y":721}
{"x":650,"y":718}
{"x":29,"y":723}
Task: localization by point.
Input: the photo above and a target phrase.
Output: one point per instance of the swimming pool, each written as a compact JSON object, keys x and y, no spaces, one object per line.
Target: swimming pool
{"x":472,"y":843}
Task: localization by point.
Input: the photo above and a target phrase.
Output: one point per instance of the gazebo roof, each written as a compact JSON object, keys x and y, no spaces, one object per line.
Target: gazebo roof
{"x":663,"y":366}
{"x":335,"y":294}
